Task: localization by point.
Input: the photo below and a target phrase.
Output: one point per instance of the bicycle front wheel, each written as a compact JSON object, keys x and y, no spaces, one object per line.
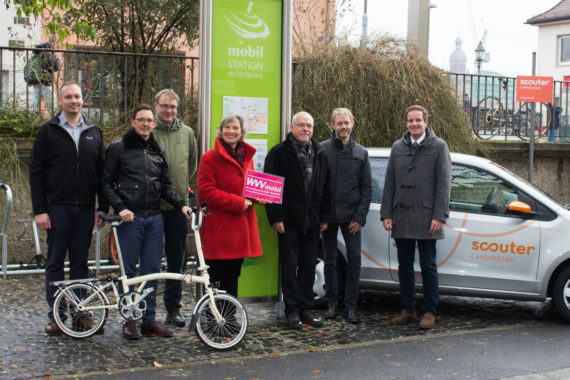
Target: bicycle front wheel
{"x":526,"y":124}
{"x":79,"y":310}
{"x":229,"y":330}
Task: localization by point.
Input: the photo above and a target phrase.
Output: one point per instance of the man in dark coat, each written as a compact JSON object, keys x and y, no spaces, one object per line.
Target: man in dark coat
{"x":304,"y":213}
{"x":415,"y":204}
{"x":135,"y":180}
{"x":65,"y":166}
{"x":352,"y":190}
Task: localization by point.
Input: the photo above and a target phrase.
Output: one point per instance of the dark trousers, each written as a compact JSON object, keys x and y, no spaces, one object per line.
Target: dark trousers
{"x":225,"y":273}
{"x":141,"y":240}
{"x":298,"y":258}
{"x":71,"y":231}
{"x":352,"y":243}
{"x":428,"y":265}
{"x":175,"y":231}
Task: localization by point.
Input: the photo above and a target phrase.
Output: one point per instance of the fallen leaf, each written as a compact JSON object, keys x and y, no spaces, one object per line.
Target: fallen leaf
{"x":317,"y":371}
{"x":320,"y":331}
{"x":275,"y":354}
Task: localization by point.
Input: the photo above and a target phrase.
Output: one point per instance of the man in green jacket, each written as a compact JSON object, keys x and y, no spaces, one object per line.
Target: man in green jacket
{"x":179,"y":144}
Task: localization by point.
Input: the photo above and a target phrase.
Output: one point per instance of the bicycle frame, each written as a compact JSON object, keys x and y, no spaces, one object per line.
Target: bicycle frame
{"x":126,"y":283}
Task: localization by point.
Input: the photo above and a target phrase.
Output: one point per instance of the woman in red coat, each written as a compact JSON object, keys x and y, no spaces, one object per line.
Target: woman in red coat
{"x":229,"y":234}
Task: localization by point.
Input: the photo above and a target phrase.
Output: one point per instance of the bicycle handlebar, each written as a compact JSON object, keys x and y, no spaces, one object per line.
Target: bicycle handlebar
{"x":110,"y":218}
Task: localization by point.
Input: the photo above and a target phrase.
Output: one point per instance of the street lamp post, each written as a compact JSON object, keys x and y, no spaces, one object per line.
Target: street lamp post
{"x":479,"y":56}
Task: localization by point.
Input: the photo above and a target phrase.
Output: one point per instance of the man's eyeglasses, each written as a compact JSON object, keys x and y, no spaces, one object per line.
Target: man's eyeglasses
{"x":141,"y":120}
{"x":167,"y":107}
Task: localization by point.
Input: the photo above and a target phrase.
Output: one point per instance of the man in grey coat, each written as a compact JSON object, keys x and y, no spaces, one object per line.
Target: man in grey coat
{"x":352,"y":190}
{"x":415,"y":204}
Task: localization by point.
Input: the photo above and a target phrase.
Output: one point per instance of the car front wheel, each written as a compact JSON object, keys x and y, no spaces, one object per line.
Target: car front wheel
{"x":561,"y":294}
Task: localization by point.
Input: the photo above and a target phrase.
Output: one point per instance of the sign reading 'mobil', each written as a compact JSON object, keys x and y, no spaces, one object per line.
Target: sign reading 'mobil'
{"x":246,"y":66}
{"x":241,"y":72}
{"x":535,"y":89}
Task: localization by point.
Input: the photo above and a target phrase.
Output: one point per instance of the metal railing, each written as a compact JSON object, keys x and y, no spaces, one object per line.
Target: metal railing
{"x":494,"y":113}
{"x":112,"y":83}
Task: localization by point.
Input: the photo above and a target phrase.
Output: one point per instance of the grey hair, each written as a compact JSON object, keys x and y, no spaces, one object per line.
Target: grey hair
{"x":294,"y":118}
{"x":231,"y":117}
{"x":341,"y":111}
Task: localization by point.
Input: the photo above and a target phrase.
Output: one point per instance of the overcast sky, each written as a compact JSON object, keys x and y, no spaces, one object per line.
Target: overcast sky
{"x":509,"y":40}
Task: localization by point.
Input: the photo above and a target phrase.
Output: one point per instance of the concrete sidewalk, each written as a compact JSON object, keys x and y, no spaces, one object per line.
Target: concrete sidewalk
{"x":27,"y":352}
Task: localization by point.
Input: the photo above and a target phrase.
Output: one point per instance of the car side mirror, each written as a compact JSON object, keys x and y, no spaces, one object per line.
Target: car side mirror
{"x":520,"y":209}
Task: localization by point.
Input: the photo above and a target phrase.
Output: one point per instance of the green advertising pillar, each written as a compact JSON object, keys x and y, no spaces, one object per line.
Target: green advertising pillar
{"x":245,"y":68}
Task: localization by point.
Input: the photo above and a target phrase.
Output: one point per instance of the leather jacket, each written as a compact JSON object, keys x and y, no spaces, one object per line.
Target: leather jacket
{"x":135,"y":176}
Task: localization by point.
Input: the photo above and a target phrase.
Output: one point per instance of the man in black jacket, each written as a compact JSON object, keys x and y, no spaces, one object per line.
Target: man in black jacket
{"x":135,"y":179}
{"x":304,"y":213}
{"x":65,"y":166}
{"x":352,"y":190}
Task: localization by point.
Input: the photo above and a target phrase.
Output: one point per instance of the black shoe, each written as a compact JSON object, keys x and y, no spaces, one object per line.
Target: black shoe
{"x":351,"y":315}
{"x":174,"y":318}
{"x":294,"y":322}
{"x":310,"y":319}
{"x":331,"y":312}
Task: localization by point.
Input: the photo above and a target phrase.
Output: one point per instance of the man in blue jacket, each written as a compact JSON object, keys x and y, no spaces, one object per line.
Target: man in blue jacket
{"x":351,"y":192}
{"x":65,"y":166}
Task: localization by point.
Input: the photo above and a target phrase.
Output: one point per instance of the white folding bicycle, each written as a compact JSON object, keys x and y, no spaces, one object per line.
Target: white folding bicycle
{"x":80,"y":307}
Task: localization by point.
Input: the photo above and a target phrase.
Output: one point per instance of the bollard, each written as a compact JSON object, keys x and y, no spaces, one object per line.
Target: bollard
{"x":5,"y":230}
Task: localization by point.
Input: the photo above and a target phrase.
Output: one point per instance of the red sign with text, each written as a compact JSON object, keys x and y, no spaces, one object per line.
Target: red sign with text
{"x":535,"y":89}
{"x":263,"y":186}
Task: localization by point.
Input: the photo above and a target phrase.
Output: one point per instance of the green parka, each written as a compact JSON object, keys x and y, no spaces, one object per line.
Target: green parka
{"x":179,"y":144}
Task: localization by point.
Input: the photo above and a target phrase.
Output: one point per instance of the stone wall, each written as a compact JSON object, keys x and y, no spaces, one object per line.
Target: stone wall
{"x":551,"y":171}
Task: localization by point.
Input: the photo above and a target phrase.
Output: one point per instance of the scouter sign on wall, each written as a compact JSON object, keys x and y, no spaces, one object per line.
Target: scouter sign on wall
{"x":535,"y":89}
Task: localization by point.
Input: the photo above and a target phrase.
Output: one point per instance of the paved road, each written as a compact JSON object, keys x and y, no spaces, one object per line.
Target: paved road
{"x":535,"y":350}
{"x":26,"y":352}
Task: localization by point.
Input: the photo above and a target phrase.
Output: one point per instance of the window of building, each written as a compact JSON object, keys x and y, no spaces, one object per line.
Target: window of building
{"x":564,"y":49}
{"x":21,"y":20}
{"x":4,"y":94}
{"x":16,"y":43}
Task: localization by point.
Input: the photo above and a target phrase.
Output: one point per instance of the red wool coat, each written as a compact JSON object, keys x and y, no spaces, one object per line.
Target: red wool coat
{"x":229,"y":232}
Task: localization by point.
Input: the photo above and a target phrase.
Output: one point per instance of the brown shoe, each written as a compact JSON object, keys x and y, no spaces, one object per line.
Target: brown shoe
{"x":51,"y":328}
{"x":427,"y":321}
{"x":404,"y":317}
{"x":130,"y":330}
{"x":154,"y":329}
{"x":85,"y":324}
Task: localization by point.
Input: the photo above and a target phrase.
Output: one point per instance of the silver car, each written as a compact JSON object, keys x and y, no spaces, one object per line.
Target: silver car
{"x":504,"y":238}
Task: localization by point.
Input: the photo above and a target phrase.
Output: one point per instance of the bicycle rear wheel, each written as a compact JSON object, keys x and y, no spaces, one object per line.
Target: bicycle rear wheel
{"x":226,"y":333}
{"x":487,"y":117}
{"x":113,"y":254}
{"x":79,"y":310}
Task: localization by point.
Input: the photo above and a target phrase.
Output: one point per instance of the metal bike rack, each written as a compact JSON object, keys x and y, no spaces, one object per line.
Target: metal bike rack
{"x":5,"y":230}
